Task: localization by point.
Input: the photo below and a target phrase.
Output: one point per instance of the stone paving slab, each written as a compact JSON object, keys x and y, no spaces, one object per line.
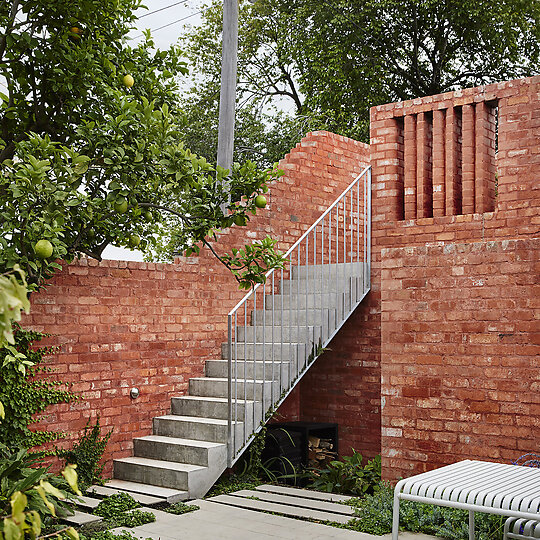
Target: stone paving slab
{"x":81,"y":518}
{"x":304,"y":493}
{"x":279,"y":508}
{"x":216,"y":521}
{"x":294,"y":501}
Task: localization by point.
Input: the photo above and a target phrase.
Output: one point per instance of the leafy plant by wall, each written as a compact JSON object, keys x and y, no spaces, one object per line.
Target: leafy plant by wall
{"x":26,"y":390}
{"x":87,"y":453}
{"x":348,"y":476}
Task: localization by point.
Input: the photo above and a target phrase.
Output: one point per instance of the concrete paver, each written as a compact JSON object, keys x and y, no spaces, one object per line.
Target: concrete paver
{"x":215,"y":521}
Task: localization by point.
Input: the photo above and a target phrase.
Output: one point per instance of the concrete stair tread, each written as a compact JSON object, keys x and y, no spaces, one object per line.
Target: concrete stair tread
{"x":180,"y":441}
{"x":213,"y":399}
{"x":199,"y":419}
{"x":160,"y":464}
{"x":162,"y":493}
{"x":225,"y":379}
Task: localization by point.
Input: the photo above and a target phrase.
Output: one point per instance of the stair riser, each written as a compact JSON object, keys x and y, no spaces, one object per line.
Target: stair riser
{"x":209,"y":409}
{"x":295,"y":334}
{"x":212,"y":388}
{"x":151,"y":475}
{"x":314,"y":271}
{"x":171,"y":452}
{"x":191,"y":430}
{"x":317,"y":301}
{"x":289,"y":352}
{"x":325,"y":318}
{"x":218,"y":368}
{"x":326,"y":285}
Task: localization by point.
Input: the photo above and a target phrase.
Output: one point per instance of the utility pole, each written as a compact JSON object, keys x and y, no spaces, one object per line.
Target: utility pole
{"x":227,"y":97}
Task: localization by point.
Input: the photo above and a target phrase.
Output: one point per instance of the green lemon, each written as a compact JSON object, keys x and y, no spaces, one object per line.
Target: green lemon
{"x":43,"y":249}
{"x":134,"y":240}
{"x":121,"y":205}
{"x":260,"y":201}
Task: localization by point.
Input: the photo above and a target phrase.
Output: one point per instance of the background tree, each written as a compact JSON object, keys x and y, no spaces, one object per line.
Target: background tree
{"x":90,"y":149}
{"x":335,"y":60}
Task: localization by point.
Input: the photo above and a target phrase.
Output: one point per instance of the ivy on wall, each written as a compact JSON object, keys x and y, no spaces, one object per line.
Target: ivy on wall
{"x":26,"y":390}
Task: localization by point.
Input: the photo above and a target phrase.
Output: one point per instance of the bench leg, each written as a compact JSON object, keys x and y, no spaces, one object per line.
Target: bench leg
{"x":395,"y":517}
{"x":471,"y":525}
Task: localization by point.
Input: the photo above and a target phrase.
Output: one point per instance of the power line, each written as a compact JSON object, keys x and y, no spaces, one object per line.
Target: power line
{"x":174,"y":22}
{"x":163,"y":8}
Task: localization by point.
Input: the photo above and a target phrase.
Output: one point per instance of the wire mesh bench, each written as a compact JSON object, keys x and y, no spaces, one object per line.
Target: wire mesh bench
{"x":476,"y":486}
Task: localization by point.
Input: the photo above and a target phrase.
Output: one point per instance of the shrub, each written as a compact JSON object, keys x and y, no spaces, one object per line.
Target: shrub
{"x":87,"y":453}
{"x":374,"y":516}
{"x":116,"y":504}
{"x":348,"y":476}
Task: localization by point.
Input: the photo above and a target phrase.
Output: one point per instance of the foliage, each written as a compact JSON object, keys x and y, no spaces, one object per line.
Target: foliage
{"x":30,"y":495}
{"x":120,"y":510}
{"x":250,"y":264}
{"x":13,"y":300}
{"x":133,"y":518}
{"x":87,"y":161}
{"x":109,"y":535}
{"x":229,"y":483}
{"x":26,"y":392}
{"x":87,"y":452}
{"x":332,"y":61}
{"x":116,"y":504}
{"x":181,"y":508}
{"x":348,"y":476}
{"x":374,"y":516}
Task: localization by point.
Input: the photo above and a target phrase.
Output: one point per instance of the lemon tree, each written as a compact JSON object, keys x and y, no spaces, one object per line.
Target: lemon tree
{"x":90,"y":143}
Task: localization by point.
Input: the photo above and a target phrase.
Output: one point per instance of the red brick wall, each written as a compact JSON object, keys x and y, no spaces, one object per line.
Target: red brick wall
{"x":460,"y":349}
{"x":459,"y":335}
{"x":126,"y":324}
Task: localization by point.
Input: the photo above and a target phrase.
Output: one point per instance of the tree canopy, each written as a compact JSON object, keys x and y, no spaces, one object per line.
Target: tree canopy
{"x":91,"y":149}
{"x":333,"y":60}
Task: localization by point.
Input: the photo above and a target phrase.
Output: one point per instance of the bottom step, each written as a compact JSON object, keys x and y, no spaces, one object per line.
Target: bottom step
{"x":137,"y":491}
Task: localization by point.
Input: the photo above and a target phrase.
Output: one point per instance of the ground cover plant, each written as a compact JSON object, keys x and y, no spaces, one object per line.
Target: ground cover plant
{"x":374,"y":516}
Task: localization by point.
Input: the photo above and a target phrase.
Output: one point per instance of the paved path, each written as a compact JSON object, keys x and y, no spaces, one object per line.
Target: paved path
{"x":243,"y":516}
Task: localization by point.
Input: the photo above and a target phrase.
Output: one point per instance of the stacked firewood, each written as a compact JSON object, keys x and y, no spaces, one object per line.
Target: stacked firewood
{"x":320,"y":452}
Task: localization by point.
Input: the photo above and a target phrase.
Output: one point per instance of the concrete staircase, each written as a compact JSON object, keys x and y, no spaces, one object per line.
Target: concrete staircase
{"x":188,"y":449}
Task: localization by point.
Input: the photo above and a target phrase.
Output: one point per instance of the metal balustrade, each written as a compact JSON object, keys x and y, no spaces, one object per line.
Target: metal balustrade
{"x":280,"y":327}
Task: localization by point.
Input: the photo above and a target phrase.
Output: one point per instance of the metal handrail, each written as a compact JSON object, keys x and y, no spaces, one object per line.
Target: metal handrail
{"x":329,"y":311}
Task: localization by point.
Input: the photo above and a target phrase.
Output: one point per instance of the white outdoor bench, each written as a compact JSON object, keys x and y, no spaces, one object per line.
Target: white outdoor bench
{"x":476,"y":486}
{"x":521,"y":529}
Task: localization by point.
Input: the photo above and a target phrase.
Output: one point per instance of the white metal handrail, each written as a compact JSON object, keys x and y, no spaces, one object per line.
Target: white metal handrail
{"x":292,"y":320}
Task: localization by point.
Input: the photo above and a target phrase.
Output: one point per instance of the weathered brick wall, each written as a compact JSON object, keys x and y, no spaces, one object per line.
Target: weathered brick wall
{"x":152,"y":326}
{"x":460,"y":349}
{"x":457,"y":295}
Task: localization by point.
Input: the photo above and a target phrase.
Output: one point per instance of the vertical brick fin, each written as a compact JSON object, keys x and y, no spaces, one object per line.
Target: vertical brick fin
{"x":400,"y":199}
{"x":484,"y":158}
{"x":439,"y":162}
{"x":410,"y":166}
{"x":424,"y":182}
{"x":452,"y":177}
{"x":468,"y":159}
{"x":492,"y":156}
